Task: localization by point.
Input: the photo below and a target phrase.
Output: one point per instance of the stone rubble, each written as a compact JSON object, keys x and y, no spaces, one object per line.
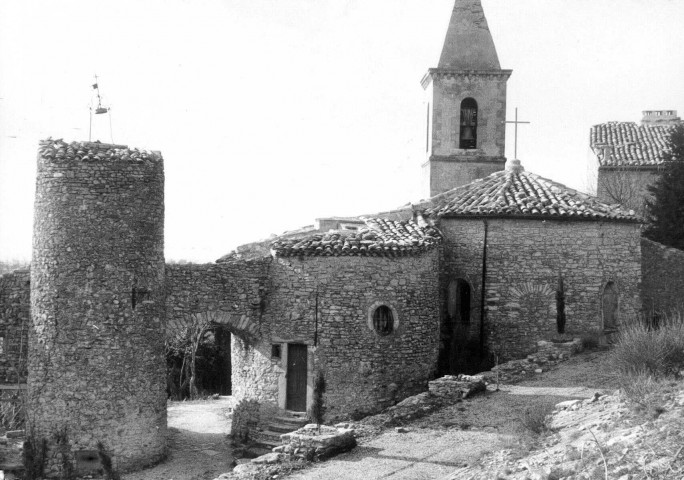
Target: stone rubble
{"x":547,"y":356}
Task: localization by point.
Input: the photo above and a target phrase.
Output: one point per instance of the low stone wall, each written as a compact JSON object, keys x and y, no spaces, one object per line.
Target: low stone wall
{"x":456,"y":386}
{"x":317,"y":442}
{"x":662,"y":285}
{"x":245,"y":419}
{"x":548,"y":354}
{"x":15,"y":311}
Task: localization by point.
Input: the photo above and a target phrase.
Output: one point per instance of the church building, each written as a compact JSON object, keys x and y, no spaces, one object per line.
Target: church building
{"x":377,"y":305}
{"x":383,"y":303}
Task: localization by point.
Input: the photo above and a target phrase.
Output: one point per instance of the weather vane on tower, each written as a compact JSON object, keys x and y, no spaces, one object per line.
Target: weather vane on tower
{"x":99,"y":110}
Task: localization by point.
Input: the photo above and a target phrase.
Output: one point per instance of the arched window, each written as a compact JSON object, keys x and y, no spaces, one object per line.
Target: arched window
{"x":468,"y":136}
{"x":610,"y":306}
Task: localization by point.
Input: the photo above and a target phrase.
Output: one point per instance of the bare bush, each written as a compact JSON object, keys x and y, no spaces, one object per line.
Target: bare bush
{"x":643,"y":349}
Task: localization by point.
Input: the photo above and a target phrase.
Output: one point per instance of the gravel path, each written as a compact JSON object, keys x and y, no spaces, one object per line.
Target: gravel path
{"x":415,"y":455}
{"x":198,"y":446}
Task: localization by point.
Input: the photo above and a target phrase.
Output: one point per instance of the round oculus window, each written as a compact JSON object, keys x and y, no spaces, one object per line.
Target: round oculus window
{"x":383,"y":320}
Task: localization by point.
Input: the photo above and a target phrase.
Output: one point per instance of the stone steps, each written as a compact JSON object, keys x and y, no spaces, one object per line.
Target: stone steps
{"x":286,"y":423}
{"x":268,"y":438}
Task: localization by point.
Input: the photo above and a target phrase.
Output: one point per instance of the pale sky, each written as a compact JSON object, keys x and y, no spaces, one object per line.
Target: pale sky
{"x":271,"y":113}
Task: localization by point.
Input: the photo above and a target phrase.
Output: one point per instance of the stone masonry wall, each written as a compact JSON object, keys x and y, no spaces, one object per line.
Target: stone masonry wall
{"x":231,"y":294}
{"x":662,"y":270}
{"x":629,"y":187}
{"x":96,"y":347}
{"x":442,"y":174}
{"x":448,"y":166}
{"x":15,"y":306}
{"x":489,"y":90}
{"x":233,"y":290}
{"x":524,"y":259}
{"x":364,"y":371}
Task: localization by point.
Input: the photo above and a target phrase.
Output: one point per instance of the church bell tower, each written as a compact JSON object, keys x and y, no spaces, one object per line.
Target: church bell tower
{"x":466,"y":104}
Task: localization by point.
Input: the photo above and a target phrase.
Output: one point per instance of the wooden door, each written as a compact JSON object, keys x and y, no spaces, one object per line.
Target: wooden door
{"x":296,"y":377}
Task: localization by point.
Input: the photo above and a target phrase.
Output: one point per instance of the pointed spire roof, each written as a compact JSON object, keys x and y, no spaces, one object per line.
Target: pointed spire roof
{"x":468,"y":44}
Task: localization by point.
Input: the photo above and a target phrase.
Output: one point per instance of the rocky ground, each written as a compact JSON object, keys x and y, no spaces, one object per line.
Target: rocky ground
{"x":594,"y":433}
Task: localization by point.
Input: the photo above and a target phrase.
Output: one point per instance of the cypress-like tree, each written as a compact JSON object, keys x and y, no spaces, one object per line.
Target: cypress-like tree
{"x":665,"y":211}
{"x":560,"y":305}
{"x":317,"y":408}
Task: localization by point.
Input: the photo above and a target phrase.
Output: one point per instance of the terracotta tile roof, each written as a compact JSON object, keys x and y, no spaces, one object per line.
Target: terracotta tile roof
{"x":379,"y":238}
{"x":59,"y":150}
{"x":619,"y":144}
{"x":516,"y":193}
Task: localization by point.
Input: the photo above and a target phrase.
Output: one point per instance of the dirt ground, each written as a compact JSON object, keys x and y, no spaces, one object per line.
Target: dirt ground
{"x":432,"y":447}
{"x":458,"y":435}
{"x":198,"y":446}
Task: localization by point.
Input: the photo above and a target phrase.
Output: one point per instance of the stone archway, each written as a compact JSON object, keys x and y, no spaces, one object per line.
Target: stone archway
{"x":199,"y":351}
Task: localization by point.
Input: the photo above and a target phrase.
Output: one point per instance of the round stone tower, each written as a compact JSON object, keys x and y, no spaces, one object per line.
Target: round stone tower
{"x":96,"y":368}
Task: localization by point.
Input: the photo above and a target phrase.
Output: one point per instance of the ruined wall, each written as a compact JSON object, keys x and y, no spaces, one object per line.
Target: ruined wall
{"x":524,"y":258}
{"x":15,"y":306}
{"x":662,"y":270}
{"x":96,"y":357}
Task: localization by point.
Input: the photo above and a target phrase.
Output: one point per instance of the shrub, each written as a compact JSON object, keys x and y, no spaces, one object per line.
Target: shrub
{"x":534,"y":417}
{"x":644,"y":350}
{"x":317,"y":408}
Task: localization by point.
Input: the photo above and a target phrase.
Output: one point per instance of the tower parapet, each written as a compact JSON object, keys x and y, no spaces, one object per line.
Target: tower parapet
{"x":97,"y":370}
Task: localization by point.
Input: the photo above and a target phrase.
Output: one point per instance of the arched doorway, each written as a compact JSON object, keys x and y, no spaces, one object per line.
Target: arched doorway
{"x":609,"y":306}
